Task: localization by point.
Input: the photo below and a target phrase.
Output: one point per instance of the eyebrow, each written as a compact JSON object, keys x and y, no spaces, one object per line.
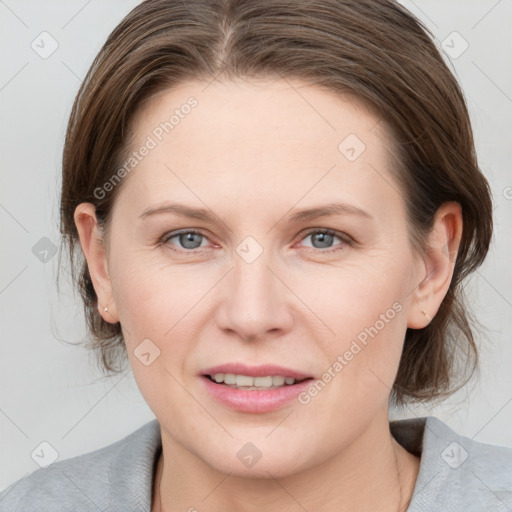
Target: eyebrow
{"x":328,"y":210}
{"x":299,"y":216}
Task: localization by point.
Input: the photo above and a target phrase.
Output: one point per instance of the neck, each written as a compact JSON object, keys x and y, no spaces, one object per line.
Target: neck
{"x":378,"y":476}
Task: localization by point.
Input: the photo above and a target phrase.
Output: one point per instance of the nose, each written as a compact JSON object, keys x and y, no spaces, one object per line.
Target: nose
{"x":256,"y":302}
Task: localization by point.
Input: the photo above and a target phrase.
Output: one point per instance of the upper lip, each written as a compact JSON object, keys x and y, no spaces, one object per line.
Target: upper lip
{"x":255,"y":371}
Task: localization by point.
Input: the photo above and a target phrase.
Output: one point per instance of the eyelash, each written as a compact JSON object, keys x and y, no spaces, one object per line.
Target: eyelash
{"x":347,"y":241}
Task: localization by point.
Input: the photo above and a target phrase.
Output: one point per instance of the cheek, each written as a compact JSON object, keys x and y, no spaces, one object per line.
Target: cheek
{"x":366,"y":307}
{"x":152,"y":295}
{"x":358,"y":295}
{"x":155,"y":306}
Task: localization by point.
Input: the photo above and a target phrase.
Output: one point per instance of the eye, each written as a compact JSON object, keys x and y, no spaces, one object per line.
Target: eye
{"x":189,"y":240}
{"x":323,"y":239}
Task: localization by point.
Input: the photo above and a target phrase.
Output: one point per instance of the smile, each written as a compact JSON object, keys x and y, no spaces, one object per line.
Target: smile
{"x":252,"y":383}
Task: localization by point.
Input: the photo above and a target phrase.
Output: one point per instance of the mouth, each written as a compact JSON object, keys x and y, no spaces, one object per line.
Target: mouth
{"x":248,"y":382}
{"x":254,"y":389}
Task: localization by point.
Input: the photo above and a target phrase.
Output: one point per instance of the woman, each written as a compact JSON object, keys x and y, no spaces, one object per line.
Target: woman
{"x":276,"y":204}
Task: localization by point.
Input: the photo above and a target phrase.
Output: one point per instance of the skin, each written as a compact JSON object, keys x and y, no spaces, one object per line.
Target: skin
{"x":253,"y":153}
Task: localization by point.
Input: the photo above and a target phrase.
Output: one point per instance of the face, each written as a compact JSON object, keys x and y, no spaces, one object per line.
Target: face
{"x":252,"y":283}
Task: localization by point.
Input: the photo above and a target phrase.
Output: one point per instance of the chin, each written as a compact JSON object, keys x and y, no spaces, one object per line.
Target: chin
{"x":251,"y":462}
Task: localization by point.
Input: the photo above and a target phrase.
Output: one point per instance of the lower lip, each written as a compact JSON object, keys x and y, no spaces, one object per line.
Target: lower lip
{"x":256,"y":401}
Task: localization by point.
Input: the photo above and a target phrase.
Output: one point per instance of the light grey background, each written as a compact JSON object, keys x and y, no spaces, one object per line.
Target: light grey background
{"x":50,"y":389}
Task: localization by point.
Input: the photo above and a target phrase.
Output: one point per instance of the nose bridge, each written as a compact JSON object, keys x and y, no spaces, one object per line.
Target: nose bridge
{"x":256,"y":299}
{"x":252,"y":279}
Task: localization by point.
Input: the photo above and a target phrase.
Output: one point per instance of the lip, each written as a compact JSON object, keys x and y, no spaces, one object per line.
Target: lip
{"x":254,"y":401}
{"x":255,"y":371}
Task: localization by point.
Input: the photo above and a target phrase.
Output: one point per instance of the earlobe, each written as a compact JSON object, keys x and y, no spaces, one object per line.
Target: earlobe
{"x":429,"y":318}
{"x":94,"y":252}
{"x":108,"y":312}
{"x":438,"y":265}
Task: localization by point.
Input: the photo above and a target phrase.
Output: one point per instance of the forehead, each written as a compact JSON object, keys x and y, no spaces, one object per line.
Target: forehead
{"x":284,"y":139}
{"x":253,"y":112}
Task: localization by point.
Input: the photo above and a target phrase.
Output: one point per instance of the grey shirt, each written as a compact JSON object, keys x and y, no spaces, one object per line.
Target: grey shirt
{"x":456,"y":474}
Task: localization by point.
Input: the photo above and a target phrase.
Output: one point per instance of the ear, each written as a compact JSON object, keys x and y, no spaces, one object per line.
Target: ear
{"x":436,"y":268}
{"x":93,"y":248}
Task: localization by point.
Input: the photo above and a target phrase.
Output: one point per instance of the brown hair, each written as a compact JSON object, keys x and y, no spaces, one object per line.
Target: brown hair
{"x":374,"y":49}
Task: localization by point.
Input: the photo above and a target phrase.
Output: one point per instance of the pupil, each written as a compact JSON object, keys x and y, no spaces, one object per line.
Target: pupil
{"x":187,"y":240}
{"x":324,"y":237}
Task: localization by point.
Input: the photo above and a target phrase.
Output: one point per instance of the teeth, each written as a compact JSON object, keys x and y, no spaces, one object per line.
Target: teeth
{"x":244,"y":380}
{"x":229,"y":378}
{"x":279,"y":381}
{"x":218,"y":377}
{"x":247,"y":381}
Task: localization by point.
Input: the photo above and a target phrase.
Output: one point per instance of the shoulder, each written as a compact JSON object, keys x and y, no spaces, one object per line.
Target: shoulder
{"x":116,"y":477}
{"x":458,"y":473}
